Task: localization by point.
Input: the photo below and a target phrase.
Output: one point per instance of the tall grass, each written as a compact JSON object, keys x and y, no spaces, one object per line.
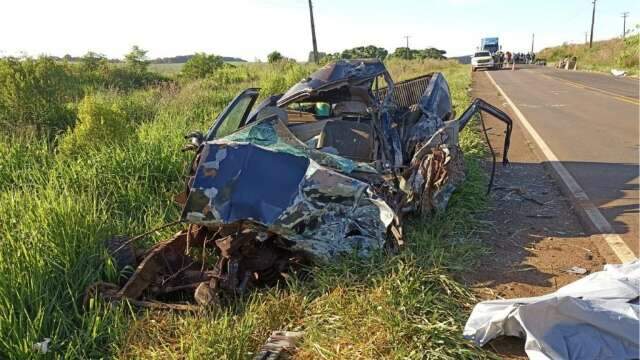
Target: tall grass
{"x":56,"y":208}
{"x":605,"y":55}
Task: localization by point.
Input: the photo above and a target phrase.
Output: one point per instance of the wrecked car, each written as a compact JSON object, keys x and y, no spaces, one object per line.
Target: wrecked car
{"x":328,"y":168}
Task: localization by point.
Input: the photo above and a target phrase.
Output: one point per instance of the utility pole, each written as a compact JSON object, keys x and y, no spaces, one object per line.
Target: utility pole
{"x":313,"y":34}
{"x":585,"y":38}
{"x":624,"y":23}
{"x":533,"y":38}
{"x":406,"y":54}
{"x":593,"y":19}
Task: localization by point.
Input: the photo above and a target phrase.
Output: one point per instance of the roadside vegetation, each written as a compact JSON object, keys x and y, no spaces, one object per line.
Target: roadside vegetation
{"x":92,"y":149}
{"x":618,"y":53}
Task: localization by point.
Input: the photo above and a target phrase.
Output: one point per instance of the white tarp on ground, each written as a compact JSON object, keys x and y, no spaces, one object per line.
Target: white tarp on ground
{"x":596,"y":317}
{"x":618,"y":73}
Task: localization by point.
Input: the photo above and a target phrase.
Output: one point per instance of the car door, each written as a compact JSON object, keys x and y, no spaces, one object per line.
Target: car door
{"x":234,"y":115}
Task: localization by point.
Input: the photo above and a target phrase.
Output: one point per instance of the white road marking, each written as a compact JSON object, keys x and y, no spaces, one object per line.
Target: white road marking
{"x":530,"y":106}
{"x":615,"y":242}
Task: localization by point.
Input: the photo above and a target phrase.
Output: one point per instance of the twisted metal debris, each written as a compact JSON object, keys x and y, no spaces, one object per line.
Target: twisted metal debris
{"x":331,"y":167}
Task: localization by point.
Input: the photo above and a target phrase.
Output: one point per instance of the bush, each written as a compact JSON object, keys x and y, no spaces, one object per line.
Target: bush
{"x":282,"y":76}
{"x":229,"y":74}
{"x":274,"y":57}
{"x":137,"y":60}
{"x":630,"y":56}
{"x":35,"y":93}
{"x":100,"y":121}
{"x":92,"y":61}
{"x":201,"y":65}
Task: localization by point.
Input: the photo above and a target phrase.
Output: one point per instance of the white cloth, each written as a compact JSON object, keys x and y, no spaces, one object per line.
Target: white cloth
{"x":618,"y":73}
{"x":596,"y":317}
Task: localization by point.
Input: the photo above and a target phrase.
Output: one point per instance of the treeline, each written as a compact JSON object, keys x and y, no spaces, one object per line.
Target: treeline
{"x":179,"y":59}
{"x":371,"y":51}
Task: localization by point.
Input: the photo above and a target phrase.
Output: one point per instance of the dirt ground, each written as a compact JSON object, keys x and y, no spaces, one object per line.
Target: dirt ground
{"x":533,"y":232}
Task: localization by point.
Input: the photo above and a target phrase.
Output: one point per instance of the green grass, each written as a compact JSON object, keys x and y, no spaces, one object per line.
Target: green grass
{"x":604,"y":56}
{"x":56,"y":208}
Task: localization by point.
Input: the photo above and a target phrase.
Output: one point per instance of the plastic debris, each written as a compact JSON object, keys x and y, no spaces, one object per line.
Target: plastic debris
{"x":577,"y":270}
{"x":279,"y":345}
{"x":42,"y":347}
{"x":618,"y":73}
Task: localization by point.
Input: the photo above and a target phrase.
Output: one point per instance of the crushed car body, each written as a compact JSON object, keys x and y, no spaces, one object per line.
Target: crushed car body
{"x":331,"y":167}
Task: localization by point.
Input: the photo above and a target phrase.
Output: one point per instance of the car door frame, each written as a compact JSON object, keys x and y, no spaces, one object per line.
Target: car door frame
{"x":253,"y":93}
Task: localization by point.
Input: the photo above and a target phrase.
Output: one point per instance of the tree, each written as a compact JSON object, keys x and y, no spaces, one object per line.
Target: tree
{"x":200,"y":65}
{"x":433,"y":53}
{"x":92,"y":61}
{"x":362,"y":52}
{"x":274,"y":57}
{"x":137,"y":60}
{"x":409,"y":54}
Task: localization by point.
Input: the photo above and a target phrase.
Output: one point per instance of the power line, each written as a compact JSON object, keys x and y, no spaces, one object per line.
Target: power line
{"x":593,"y":19}
{"x":624,"y":23}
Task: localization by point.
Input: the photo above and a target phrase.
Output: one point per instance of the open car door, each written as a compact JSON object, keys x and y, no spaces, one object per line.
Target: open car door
{"x":234,"y":115}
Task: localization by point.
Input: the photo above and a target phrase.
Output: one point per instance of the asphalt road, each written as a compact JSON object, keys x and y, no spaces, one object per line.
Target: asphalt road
{"x":591,"y":123}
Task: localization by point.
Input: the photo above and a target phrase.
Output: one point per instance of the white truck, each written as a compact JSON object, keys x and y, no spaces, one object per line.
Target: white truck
{"x":482,"y":60}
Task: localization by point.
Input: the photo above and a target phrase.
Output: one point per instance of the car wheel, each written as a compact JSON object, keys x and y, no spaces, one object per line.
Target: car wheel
{"x":121,"y":251}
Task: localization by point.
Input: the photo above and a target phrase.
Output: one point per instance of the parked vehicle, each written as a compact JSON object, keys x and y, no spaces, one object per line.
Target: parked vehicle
{"x":482,"y":60}
{"x":492,"y":45}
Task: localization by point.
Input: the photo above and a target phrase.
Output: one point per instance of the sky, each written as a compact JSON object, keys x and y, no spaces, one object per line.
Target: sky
{"x":251,"y":29}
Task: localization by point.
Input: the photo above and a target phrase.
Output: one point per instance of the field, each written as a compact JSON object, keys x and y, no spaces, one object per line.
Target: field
{"x":166,"y":69}
{"x":604,"y":56}
{"x":93,"y":160}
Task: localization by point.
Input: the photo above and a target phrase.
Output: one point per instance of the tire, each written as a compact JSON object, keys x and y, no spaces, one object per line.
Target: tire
{"x":123,"y":255}
{"x":473,"y":69}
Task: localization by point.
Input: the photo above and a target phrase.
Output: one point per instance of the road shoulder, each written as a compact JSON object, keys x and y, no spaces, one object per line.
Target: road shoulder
{"x":534,"y":235}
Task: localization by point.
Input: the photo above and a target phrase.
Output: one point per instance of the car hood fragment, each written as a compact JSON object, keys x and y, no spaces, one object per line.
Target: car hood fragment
{"x":257,"y":175}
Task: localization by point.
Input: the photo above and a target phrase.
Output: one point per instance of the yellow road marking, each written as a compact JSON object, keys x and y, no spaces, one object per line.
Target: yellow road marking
{"x":582,"y":86}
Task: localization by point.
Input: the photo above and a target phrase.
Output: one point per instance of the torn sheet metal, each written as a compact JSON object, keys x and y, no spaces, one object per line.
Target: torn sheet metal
{"x":348,"y":74}
{"x":280,"y":345}
{"x":259,"y":177}
{"x":596,"y":317}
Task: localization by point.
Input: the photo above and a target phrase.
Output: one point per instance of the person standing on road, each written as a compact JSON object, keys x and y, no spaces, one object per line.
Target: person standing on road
{"x":508,"y":57}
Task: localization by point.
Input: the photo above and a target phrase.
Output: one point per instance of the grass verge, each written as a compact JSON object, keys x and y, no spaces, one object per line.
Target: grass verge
{"x":605,"y":55}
